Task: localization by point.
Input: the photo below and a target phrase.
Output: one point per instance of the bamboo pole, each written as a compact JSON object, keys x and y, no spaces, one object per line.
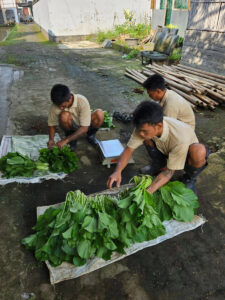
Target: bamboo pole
{"x":218,"y":97}
{"x":147,"y":71}
{"x":140,"y":75}
{"x":193,"y":105}
{"x":191,"y":99}
{"x":203,"y":81}
{"x":195,"y":72}
{"x":203,"y":72}
{"x":134,"y":78}
{"x":222,"y":93}
{"x":182,"y":74}
{"x":197,"y":91}
{"x":206,"y":100}
{"x":183,"y":82}
{"x":176,"y":85}
{"x":206,"y":77}
{"x":177,"y":73}
{"x":217,"y":80}
{"x":136,"y":74}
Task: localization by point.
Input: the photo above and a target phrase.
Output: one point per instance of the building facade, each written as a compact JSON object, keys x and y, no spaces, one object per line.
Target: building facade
{"x":8,"y":11}
{"x":75,"y":19}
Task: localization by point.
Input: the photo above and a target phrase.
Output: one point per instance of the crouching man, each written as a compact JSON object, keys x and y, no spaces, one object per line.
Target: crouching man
{"x":72,"y":113}
{"x":176,"y":141}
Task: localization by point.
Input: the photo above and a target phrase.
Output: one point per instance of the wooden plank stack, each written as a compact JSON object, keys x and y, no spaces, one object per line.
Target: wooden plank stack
{"x":200,"y":88}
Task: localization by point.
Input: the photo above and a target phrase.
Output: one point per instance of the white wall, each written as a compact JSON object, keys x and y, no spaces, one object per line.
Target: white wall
{"x":83,"y":17}
{"x":7,"y":3}
{"x":41,"y":15}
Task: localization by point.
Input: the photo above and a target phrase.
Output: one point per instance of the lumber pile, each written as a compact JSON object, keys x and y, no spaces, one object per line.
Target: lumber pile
{"x":200,"y":88}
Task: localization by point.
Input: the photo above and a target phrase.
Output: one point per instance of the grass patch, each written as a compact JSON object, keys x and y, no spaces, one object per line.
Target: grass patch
{"x":18,"y":34}
{"x":132,"y":54}
{"x":135,"y":31}
{"x":48,"y":43}
{"x":11,"y":37}
{"x":90,"y":37}
{"x":176,"y":55}
{"x":12,"y":60}
{"x":40,"y":35}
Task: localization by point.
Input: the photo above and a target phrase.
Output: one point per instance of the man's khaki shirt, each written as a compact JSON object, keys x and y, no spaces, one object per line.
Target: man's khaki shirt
{"x":175,"y":106}
{"x":174,"y":142}
{"x":80,"y":112}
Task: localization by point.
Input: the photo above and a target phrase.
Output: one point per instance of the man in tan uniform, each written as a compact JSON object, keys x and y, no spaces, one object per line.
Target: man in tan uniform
{"x":175,"y":140}
{"x":72,"y":113}
{"x":173,"y":106}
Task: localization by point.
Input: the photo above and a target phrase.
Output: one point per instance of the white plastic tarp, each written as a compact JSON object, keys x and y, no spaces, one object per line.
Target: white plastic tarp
{"x":68,"y":271}
{"x":27,"y":145}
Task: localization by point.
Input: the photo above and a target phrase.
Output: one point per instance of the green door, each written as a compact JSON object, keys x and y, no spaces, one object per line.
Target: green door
{"x":169,"y":4}
{"x":168,"y":11}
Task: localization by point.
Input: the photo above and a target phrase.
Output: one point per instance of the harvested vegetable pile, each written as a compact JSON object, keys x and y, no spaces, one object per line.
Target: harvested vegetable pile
{"x":137,"y":215}
{"x":84,"y":227}
{"x":14,"y":164}
{"x":174,"y":200}
{"x":59,"y":160}
{"x":54,"y":160}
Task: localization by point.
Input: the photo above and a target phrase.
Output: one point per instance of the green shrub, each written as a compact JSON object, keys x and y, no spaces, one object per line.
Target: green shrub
{"x":180,"y":42}
{"x":176,"y":55}
{"x":135,"y":31}
{"x":132,"y":54}
{"x":101,"y":36}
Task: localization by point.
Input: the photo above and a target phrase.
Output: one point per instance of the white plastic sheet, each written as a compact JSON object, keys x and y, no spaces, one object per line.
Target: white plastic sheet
{"x":68,"y":271}
{"x":27,"y":145}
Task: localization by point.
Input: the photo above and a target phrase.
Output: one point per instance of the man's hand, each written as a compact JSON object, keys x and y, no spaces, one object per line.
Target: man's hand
{"x":51,"y":143}
{"x":123,"y":161}
{"x":115,"y":177}
{"x":160,"y":180}
{"x":61,"y":143}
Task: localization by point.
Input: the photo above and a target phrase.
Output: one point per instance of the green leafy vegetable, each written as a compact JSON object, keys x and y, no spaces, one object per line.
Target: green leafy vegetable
{"x":55,"y":160}
{"x":175,"y":200}
{"x":59,"y":160}
{"x":108,"y":121}
{"x":16,"y":165}
{"x":84,"y":227}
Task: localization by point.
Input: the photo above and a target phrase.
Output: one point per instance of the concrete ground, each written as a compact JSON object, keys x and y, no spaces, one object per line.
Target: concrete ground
{"x":190,"y":266}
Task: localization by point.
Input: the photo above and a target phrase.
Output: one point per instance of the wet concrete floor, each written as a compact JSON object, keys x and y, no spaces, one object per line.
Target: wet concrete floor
{"x":190,"y":266}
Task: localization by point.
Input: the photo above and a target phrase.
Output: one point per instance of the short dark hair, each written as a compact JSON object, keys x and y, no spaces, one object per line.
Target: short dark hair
{"x":147,"y":112}
{"x":155,"y":82}
{"x":60,"y":93}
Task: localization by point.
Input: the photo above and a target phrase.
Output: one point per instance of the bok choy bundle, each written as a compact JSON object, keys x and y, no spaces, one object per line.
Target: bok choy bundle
{"x":84,"y":227}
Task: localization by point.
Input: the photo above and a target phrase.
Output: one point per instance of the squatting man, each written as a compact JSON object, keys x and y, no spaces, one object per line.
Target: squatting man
{"x":173,"y":106}
{"x":73,"y":114}
{"x":176,"y":141}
